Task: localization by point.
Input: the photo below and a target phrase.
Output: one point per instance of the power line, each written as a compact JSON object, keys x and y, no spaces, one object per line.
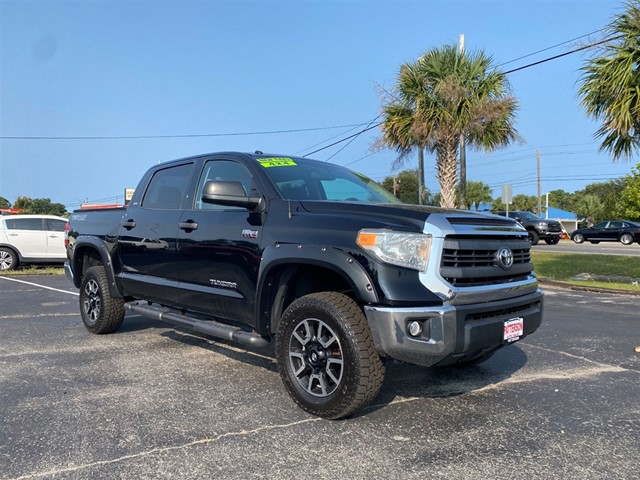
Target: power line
{"x":345,"y":139}
{"x":551,"y":47}
{"x":575,"y":50}
{"x":350,"y":141}
{"x":326,"y":140}
{"x":139,"y":137}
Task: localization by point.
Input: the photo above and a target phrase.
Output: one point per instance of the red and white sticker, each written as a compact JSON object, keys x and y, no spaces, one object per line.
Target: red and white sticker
{"x":513,"y":329}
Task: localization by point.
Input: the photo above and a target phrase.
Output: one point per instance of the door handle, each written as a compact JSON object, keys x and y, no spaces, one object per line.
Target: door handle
{"x":129,"y":224}
{"x":188,"y":225}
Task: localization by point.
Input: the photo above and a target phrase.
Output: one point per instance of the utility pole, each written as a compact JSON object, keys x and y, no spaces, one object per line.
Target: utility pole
{"x":463,"y":152}
{"x":395,"y":184}
{"x":420,"y":173}
{"x":539,"y":190}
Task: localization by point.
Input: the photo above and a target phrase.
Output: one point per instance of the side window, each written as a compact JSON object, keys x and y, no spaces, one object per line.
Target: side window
{"x":600,"y":226}
{"x":222,"y":170}
{"x":615,"y":224}
{"x":167,"y":187}
{"x":25,"y":224}
{"x":55,"y":225}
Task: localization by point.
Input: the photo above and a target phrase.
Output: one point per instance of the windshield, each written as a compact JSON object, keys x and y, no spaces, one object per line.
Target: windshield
{"x":301,"y":179}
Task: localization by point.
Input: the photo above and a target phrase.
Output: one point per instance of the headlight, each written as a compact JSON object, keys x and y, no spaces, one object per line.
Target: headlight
{"x":410,"y":250}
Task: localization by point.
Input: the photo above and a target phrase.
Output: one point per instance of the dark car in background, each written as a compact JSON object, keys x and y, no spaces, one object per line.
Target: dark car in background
{"x":538,"y":228}
{"x":622,"y":231}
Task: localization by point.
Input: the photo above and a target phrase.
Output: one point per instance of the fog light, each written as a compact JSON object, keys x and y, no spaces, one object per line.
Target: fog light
{"x":415,"y":329}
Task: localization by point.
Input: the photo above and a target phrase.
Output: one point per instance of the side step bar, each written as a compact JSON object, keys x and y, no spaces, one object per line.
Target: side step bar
{"x":208,"y":327}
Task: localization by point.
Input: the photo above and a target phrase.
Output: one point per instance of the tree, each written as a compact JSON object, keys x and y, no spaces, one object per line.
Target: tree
{"x":630,"y":196}
{"x":477,"y":193}
{"x":41,"y":206}
{"x":610,"y":85}
{"x":561,"y":199}
{"x":608,"y":193}
{"x":522,"y":202}
{"x":590,"y":208}
{"x":442,"y":95}
{"x":4,"y":203}
{"x":406,"y":186}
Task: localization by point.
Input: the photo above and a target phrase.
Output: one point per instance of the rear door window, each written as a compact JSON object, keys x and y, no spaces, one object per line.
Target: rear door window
{"x":24,"y":224}
{"x":167,"y":188}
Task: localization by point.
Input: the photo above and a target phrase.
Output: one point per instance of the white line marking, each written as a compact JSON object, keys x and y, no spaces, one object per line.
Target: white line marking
{"x":41,"y":286}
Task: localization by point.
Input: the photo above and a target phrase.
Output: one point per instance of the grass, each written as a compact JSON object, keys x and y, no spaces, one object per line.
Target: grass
{"x":563,"y":266}
{"x":35,"y":270}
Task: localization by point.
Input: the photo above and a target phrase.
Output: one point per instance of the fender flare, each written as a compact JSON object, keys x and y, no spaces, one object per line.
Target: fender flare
{"x":97,"y":245}
{"x":330,"y":258}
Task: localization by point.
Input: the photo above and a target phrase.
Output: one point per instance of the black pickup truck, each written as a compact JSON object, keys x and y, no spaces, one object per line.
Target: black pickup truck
{"x":255,"y":248}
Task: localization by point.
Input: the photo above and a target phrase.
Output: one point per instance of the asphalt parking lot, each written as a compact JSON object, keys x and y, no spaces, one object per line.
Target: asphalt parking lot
{"x":153,"y":402}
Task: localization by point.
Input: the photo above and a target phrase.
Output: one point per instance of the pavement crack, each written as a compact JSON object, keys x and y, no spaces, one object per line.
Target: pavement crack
{"x":584,"y":359}
{"x":204,"y":441}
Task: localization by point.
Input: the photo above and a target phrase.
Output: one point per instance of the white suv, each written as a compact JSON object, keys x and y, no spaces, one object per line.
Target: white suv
{"x":31,"y":239}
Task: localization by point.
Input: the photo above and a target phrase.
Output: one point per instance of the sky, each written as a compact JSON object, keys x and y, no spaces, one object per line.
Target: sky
{"x":221,"y":73}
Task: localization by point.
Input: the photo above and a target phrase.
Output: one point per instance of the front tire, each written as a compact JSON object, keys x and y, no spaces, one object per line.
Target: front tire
{"x":8,"y":259}
{"x":326,"y":356}
{"x":534,"y":238}
{"x":552,"y":240}
{"x":101,"y":313}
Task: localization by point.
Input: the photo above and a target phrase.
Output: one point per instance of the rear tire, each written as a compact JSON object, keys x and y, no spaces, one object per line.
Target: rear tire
{"x":626,"y":239}
{"x":534,"y":238}
{"x":8,"y":259}
{"x":552,"y":240}
{"x":101,"y":313}
{"x":326,"y":356}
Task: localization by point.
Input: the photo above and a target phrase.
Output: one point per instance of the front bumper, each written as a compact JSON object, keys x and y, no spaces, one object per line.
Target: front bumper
{"x":450,"y":332}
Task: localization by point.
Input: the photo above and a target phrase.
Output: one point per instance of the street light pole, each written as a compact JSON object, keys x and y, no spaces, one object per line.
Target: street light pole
{"x":463,"y":152}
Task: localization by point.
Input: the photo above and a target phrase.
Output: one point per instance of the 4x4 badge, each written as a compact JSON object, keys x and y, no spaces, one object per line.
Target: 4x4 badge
{"x":246,"y":233}
{"x":505,"y":258}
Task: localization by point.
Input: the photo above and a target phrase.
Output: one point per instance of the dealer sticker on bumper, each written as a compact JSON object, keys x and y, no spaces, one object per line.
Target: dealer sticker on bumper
{"x":513,"y":329}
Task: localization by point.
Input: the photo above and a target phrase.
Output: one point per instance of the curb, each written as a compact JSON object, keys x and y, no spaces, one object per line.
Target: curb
{"x":580,"y":288}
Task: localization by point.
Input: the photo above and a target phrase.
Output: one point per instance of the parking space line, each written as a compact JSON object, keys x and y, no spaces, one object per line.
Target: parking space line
{"x":38,"y":285}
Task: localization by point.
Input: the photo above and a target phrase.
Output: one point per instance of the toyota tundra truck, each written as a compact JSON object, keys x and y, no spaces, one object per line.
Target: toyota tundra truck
{"x":312,"y":257}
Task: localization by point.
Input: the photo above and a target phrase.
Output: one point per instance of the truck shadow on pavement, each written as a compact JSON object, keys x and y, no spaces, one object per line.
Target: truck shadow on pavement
{"x":401,"y":381}
{"x":405,"y":381}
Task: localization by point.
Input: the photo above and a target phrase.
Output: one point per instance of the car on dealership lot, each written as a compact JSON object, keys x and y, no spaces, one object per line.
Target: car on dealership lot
{"x":622,"y":231}
{"x":30,"y":239}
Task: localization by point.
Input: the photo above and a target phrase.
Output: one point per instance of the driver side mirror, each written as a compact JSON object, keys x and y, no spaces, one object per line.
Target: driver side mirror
{"x":230,"y":194}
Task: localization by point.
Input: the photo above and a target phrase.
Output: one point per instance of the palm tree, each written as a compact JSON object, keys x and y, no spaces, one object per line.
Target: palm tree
{"x":477,"y":193}
{"x":442,"y":95}
{"x":610,"y":85}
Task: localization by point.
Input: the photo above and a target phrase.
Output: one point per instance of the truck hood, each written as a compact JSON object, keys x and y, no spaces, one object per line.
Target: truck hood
{"x":447,"y":221}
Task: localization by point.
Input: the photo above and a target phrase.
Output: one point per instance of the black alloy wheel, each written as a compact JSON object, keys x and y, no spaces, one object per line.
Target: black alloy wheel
{"x":326,"y":356}
{"x":101,"y":313}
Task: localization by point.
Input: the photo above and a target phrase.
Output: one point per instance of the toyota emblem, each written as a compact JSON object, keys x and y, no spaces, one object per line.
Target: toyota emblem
{"x":505,"y":258}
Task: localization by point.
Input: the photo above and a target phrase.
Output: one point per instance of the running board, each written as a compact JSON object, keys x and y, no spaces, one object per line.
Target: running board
{"x":208,"y":327}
